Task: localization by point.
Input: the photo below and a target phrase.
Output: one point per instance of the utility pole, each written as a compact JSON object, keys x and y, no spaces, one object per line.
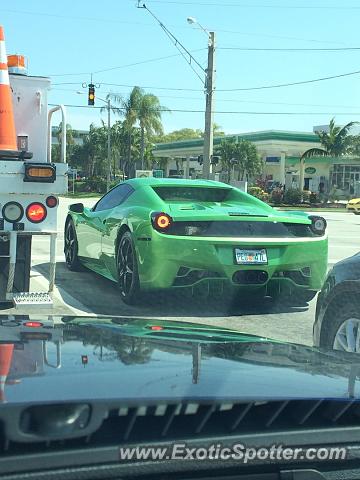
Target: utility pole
{"x":209,"y":83}
{"x":209,"y":110}
{"x":108,"y":147}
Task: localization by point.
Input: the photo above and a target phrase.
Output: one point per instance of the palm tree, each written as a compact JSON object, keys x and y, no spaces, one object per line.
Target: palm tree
{"x":127,"y":108}
{"x":226,"y":150}
{"x":141,"y":107}
{"x":241,"y":156}
{"x":149,"y":116}
{"x":335,"y":143}
{"x":70,"y":140}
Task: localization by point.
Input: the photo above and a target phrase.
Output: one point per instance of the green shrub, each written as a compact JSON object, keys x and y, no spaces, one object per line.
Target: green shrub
{"x":306,"y":196}
{"x":114,"y":183}
{"x":314,"y":197}
{"x":265,"y":197}
{"x":259,"y":193}
{"x":292,"y":196}
{"x":277,"y":196}
{"x":95,"y":184}
{"x":333,"y":195}
{"x":255,"y":191}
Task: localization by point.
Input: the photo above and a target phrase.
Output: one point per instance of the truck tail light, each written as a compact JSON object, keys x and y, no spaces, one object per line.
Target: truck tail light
{"x":51,"y":201}
{"x":36,"y":212}
{"x":12,"y":212}
{"x":40,"y":172}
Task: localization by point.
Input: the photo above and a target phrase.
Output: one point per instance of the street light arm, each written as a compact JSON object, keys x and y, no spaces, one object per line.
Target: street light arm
{"x":193,"y":21}
{"x":204,"y":30}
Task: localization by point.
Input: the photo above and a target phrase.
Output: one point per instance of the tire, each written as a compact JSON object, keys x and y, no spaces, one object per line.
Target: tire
{"x":127,"y":269}
{"x":341,"y":325}
{"x":71,"y":248}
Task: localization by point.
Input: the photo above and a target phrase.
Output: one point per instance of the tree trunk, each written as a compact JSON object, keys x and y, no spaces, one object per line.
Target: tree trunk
{"x":142,"y":147}
{"x":129,"y":152}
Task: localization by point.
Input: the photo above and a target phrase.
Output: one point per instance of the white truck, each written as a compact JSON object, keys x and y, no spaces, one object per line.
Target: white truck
{"x":29,"y":186}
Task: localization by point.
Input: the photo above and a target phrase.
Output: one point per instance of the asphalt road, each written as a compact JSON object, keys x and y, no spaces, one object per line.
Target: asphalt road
{"x":87,"y":293}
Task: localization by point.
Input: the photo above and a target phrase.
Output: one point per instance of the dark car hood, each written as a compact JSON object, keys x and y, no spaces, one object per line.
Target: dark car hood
{"x":73,"y":359}
{"x":352,"y":262}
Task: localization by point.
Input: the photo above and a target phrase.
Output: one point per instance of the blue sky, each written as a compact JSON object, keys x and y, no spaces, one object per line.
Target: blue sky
{"x":70,"y":39}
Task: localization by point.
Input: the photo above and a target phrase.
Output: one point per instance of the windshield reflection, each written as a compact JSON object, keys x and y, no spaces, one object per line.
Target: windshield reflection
{"x":70,"y":345}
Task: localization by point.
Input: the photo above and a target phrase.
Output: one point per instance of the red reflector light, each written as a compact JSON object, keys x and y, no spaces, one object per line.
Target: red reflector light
{"x":33,"y":324}
{"x":156,"y":327}
{"x":36,"y":212}
{"x":51,"y":201}
{"x":84,"y":359}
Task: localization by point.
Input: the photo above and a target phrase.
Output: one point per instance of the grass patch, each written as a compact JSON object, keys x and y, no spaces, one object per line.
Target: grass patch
{"x":313,"y":209}
{"x":82,"y":195}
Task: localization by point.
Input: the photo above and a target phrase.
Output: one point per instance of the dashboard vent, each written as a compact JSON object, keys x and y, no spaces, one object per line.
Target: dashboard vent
{"x":189,"y":420}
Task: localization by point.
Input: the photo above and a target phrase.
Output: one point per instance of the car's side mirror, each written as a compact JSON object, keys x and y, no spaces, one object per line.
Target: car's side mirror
{"x":77,"y":208}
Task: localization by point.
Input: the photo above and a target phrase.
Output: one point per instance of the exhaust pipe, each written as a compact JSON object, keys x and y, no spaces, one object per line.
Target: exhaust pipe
{"x":250,"y":277}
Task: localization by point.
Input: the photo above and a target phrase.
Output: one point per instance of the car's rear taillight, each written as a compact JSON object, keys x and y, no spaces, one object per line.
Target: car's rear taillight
{"x":161,"y":221}
{"x":36,"y":212}
{"x":33,"y":324}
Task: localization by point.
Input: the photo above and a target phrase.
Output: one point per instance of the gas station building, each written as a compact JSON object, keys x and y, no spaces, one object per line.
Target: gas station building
{"x":281,"y":152}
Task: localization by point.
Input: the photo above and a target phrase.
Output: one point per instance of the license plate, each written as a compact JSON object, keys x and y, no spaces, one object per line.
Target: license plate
{"x":250,"y":257}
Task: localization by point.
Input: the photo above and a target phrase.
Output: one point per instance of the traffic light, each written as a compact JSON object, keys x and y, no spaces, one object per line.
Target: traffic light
{"x":91,"y":95}
{"x":200,"y":159}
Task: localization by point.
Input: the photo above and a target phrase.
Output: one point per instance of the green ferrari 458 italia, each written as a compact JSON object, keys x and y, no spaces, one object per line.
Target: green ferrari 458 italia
{"x":153,"y":234}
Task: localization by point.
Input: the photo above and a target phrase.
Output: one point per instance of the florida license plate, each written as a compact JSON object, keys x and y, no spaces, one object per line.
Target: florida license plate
{"x":250,"y":257}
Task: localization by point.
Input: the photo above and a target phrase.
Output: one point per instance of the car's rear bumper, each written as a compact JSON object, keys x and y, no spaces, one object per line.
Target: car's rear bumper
{"x":167,"y":261}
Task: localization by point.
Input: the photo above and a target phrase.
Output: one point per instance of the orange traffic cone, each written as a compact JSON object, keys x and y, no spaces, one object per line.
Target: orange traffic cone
{"x":7,"y":125}
{"x":6,"y":352}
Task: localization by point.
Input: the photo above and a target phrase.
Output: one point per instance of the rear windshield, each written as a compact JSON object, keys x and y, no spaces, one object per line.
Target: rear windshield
{"x":192,"y":194}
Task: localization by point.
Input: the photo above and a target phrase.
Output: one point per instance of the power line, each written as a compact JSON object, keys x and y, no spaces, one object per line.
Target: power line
{"x":280,"y":85}
{"x":222,"y":112}
{"x":339,"y":49}
{"x":279,"y":37}
{"x":182,"y":49}
{"x":132,"y":86}
{"x":263,"y":87}
{"x":72,"y":17}
{"x":237,"y":5}
{"x":141,"y":62}
{"x":156,"y":59}
{"x":231,"y":100}
{"x":112,"y":20}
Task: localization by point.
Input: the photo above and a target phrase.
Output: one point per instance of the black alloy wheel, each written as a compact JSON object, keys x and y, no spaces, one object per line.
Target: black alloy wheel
{"x":127,"y":268}
{"x":71,"y":248}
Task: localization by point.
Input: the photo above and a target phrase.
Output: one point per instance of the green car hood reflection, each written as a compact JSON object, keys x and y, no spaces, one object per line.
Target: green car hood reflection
{"x":88,"y":358}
